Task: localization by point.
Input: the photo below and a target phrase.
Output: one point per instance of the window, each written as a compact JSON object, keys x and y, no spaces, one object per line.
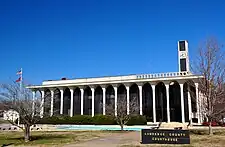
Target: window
{"x":182,"y":45}
{"x":183,"y":65}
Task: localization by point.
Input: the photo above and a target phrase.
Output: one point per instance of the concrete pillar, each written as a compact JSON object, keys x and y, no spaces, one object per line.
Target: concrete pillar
{"x":128,"y":100}
{"x":61,"y":100}
{"x":93,"y":101}
{"x":103,"y":105}
{"x":140,"y":96}
{"x":182,"y":102}
{"x":33,"y":102}
{"x":71,"y":102}
{"x":168,"y":102}
{"x":52,"y":97}
{"x":189,"y":107}
{"x":82,"y":101}
{"x":153,"y":101}
{"x":198,"y":103}
{"x":42,"y":103}
{"x":115,"y":90}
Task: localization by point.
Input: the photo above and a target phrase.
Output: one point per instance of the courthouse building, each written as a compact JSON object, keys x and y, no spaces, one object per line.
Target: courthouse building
{"x":167,"y":97}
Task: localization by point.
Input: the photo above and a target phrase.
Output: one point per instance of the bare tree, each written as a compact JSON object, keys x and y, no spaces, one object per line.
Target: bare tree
{"x":211,"y":65}
{"x":20,"y":99}
{"x":121,"y":116}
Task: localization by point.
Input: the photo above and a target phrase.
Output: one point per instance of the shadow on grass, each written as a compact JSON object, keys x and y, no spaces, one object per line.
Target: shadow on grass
{"x":40,"y":137}
{"x":35,"y":139}
{"x":119,"y":131}
{"x":49,"y":137}
{"x":198,"y":132}
{"x":7,"y":144}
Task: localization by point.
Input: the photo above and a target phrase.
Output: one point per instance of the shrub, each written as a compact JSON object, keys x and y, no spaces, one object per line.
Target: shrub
{"x":89,"y":120}
{"x":212,"y":124}
{"x":48,"y":120}
{"x":137,"y":120}
{"x":81,"y":120}
{"x":103,"y":120}
{"x":149,"y":119}
{"x":78,"y":119}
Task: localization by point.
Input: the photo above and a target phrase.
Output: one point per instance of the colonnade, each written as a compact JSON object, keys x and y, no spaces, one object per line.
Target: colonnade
{"x":162,"y":101}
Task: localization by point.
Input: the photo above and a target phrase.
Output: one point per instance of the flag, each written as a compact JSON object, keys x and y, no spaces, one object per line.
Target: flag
{"x":18,"y":80}
{"x":19,"y":72}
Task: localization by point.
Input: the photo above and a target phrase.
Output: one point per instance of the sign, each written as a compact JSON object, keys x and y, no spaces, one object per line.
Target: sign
{"x":161,"y":136}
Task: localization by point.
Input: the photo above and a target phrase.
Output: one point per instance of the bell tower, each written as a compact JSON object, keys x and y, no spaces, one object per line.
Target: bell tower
{"x":183,"y":57}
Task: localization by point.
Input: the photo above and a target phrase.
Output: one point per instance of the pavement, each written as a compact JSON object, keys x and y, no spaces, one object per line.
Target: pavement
{"x":114,"y":140}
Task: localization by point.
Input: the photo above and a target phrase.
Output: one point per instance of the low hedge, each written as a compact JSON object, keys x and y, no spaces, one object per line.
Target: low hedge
{"x":103,"y":120}
{"x":78,"y":119}
{"x":137,"y":120}
{"x":214,"y":123}
{"x":89,"y":120}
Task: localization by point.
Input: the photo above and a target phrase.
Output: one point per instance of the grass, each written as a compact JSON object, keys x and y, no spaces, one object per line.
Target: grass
{"x":3,"y":121}
{"x":50,"y":138}
{"x":198,"y":138}
{"x":196,"y":141}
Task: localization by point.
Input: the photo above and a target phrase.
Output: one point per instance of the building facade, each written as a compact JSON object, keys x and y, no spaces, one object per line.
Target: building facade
{"x":167,"y":97}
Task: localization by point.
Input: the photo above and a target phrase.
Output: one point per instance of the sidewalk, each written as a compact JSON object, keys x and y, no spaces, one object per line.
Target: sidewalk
{"x":114,"y":140}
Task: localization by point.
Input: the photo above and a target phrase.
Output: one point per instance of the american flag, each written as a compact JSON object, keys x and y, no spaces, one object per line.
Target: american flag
{"x":18,"y":80}
{"x":19,"y":72}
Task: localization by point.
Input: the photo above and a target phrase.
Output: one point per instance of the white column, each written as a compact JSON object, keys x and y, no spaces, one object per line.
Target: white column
{"x":71,"y":102}
{"x":168,"y":103}
{"x":128,"y":100}
{"x":42,"y":103}
{"x":61,"y":103}
{"x":140,"y":96}
{"x":33,"y":104}
{"x":103,"y":90}
{"x":52,"y":96}
{"x":153,"y":101}
{"x":93,"y":101}
{"x":189,"y":107}
{"x":115,"y":90}
{"x":82,"y":101}
{"x":182,"y":102}
{"x":198,"y":103}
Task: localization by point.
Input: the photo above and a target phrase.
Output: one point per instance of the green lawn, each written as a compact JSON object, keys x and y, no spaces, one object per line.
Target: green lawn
{"x":196,"y":141}
{"x":4,"y":121}
{"x":50,"y":138}
{"x":198,"y":138}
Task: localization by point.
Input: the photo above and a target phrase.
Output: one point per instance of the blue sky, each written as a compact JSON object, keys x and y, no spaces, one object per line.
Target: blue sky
{"x":89,"y":38}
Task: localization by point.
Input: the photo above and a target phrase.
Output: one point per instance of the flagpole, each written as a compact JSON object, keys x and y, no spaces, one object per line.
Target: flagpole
{"x":21,"y":79}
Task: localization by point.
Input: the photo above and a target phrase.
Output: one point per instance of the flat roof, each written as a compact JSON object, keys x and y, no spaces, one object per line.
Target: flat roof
{"x":118,"y":79}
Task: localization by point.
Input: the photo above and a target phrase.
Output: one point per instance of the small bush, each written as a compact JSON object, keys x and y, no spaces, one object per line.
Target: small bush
{"x":82,"y":120}
{"x":212,"y":124}
{"x":89,"y":120}
{"x":103,"y":120}
{"x":78,"y":119}
{"x":137,"y":120}
{"x":149,"y":119}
